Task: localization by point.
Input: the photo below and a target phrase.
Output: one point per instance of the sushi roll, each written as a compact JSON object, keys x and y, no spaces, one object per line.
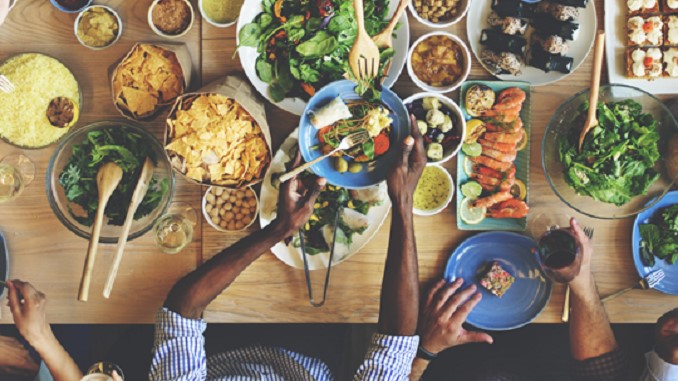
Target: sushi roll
{"x":671,"y":62}
{"x":507,"y":25}
{"x":552,"y":44}
{"x":548,"y":62}
{"x":671,"y":30}
{"x":500,"y":63}
{"x":512,"y":8}
{"x":558,"y":11}
{"x":547,"y":26}
{"x":639,"y":7}
{"x":573,"y":3}
{"x":500,"y":42}
{"x":643,"y":31}
{"x":644,"y":63}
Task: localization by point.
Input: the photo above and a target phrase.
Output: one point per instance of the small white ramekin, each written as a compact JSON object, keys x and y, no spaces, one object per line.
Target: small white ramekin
{"x":437,"y":89}
{"x":463,"y":7}
{"x":113,"y":12}
{"x":163,"y":34}
{"x":431,"y":212}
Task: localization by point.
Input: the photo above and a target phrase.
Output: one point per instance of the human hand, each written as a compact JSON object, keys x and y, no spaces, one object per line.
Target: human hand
{"x":116,"y":376}
{"x":28,"y":310}
{"x":443,"y":315}
{"x":404,"y":176}
{"x":294,"y":205}
{"x":584,"y":277}
{"x":666,"y":337}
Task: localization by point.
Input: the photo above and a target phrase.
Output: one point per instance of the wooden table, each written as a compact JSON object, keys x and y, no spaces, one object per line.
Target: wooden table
{"x":268,"y":291}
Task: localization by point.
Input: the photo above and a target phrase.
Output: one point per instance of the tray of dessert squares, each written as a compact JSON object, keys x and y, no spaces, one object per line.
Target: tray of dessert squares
{"x":642,"y":44}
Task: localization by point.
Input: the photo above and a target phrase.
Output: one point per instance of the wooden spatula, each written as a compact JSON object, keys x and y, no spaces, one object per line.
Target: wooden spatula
{"x":108,"y":178}
{"x":138,"y":196}
{"x":591,"y":119}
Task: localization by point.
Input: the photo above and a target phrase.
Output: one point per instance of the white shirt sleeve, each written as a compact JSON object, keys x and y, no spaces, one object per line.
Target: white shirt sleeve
{"x":657,"y":369}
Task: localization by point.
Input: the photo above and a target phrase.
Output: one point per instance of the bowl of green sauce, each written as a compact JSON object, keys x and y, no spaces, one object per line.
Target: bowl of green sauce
{"x":220,"y":13}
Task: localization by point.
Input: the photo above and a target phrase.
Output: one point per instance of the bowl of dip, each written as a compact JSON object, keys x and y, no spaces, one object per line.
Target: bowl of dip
{"x":70,"y":6}
{"x":220,"y":13}
{"x":434,"y":191}
{"x":98,"y":27}
{"x":171,"y":18}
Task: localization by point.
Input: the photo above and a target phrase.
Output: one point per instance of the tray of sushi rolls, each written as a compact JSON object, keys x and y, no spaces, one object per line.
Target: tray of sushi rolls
{"x":642,"y":43}
{"x":539,"y":43}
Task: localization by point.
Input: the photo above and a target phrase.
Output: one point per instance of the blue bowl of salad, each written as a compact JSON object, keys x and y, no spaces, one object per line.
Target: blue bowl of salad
{"x":337,"y":111}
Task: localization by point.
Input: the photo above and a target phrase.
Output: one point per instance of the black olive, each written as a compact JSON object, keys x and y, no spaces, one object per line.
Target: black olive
{"x":431,"y":133}
{"x":439,"y":136}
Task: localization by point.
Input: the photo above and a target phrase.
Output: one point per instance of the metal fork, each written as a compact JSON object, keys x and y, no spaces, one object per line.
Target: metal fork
{"x":5,"y":85}
{"x":329,"y":264}
{"x":565,"y":317}
{"x":348,"y":142}
{"x":649,"y":281}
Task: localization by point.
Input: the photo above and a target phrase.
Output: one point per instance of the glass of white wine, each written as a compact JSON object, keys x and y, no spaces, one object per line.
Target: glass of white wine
{"x":174,"y":230}
{"x":16,"y":172}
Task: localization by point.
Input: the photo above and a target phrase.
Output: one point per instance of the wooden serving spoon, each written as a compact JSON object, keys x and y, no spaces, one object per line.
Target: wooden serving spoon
{"x":384,"y":39}
{"x":591,"y":120}
{"x":138,"y":196}
{"x":108,"y":178}
{"x":363,"y":58}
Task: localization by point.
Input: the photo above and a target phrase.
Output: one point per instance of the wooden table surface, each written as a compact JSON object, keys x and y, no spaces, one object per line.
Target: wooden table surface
{"x":45,"y":253}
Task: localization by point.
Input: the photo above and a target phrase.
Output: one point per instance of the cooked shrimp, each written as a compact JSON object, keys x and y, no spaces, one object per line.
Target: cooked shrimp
{"x":486,"y":180}
{"x":510,"y":98}
{"x":503,"y":147}
{"x":514,"y":126}
{"x":501,"y":137}
{"x":492,"y":163}
{"x":485,"y":171}
{"x":506,"y":157}
{"x":492,"y":199}
{"x":513,"y":208}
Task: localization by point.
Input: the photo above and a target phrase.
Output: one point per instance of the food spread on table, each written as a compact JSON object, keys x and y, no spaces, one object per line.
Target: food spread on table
{"x":231,"y":209}
{"x":97,"y":27}
{"x":660,"y":237}
{"x":439,"y":125}
{"x":437,"y":10}
{"x":25,"y":113}
{"x":438,"y":61}
{"x":497,"y":280}
{"x":617,"y":160}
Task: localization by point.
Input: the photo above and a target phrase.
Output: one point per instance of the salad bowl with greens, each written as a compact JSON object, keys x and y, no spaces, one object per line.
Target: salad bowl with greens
{"x":290,"y":49}
{"x":620,"y":170}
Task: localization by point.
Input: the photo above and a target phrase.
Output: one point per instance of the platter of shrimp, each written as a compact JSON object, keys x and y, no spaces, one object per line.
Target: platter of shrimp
{"x":493,"y":165}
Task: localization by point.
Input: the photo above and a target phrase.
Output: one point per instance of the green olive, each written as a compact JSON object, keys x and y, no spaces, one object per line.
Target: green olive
{"x":355,"y":167}
{"x":341,"y":165}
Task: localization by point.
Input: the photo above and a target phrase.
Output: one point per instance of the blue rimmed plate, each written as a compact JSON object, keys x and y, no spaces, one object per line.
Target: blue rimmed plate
{"x":526,"y":298}
{"x":668,"y":285}
{"x":373,"y":173}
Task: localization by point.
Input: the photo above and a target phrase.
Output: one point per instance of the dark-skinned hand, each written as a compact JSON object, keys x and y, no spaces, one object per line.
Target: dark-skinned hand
{"x":404,"y":176}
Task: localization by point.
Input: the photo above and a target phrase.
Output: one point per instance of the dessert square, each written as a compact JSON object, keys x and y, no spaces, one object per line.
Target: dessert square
{"x":671,"y":30}
{"x":671,"y":62}
{"x":644,"y":63}
{"x":670,"y":6}
{"x":497,"y":280}
{"x":645,"y":31}
{"x":639,"y":7}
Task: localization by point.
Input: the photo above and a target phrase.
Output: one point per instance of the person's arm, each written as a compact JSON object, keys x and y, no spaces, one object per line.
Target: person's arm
{"x":444,"y":312}
{"x":28,"y":309}
{"x":662,"y":363}
{"x":592,"y":341}
{"x":390,"y":354}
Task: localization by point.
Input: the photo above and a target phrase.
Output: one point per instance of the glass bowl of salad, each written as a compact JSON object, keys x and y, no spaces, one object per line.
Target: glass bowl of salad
{"x":337,"y":111}
{"x":621,"y":169}
{"x":71,"y":179}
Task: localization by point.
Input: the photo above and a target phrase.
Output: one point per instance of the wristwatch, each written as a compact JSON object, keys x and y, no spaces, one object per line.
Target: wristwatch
{"x":426,"y":355}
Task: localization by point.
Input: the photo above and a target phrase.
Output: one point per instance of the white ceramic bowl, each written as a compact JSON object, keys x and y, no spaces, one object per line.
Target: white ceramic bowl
{"x":463,"y":7}
{"x":219,"y":228}
{"x":444,"y":89}
{"x":461,"y":122}
{"x":212,"y":22}
{"x":163,"y":34}
{"x":113,"y":12}
{"x":431,"y":212}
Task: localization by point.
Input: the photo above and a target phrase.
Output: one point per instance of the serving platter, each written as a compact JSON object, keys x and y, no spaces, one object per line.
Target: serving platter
{"x":526,"y":298}
{"x":288,"y":253}
{"x":668,"y":285}
{"x":579,"y":47}
{"x":249,"y":55}
{"x":522,"y":161}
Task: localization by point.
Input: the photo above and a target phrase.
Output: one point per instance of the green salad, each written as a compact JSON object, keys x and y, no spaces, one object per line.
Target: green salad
{"x":617,"y":161}
{"x":304,"y":44}
{"x":659,"y":237}
{"x":127,"y":149}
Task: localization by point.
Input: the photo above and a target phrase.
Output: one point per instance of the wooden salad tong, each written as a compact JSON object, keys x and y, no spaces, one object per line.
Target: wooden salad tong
{"x":364,"y":55}
{"x":591,"y":119}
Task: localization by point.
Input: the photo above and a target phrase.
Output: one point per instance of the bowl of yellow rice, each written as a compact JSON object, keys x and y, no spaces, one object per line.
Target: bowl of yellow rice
{"x":434,"y":191}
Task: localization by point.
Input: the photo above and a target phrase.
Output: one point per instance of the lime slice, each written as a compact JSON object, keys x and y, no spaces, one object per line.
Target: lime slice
{"x":468,"y":166}
{"x":469,"y":214}
{"x":472,"y":150}
{"x":518,"y":190}
{"x":474,"y":128}
{"x":522,"y":143}
{"x":472,"y":190}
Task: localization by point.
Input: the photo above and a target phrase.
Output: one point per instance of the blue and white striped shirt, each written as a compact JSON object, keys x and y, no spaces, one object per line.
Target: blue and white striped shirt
{"x":179,"y":354}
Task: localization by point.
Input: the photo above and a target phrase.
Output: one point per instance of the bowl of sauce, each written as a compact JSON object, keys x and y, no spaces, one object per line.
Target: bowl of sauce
{"x":439,"y":62}
{"x":171,"y":18}
{"x":220,"y":13}
{"x":71,"y":6}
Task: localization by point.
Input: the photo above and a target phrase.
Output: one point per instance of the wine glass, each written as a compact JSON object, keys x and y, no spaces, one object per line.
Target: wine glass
{"x":103,"y":371}
{"x":174,"y":230}
{"x":558,"y":250}
{"x":16,"y":172}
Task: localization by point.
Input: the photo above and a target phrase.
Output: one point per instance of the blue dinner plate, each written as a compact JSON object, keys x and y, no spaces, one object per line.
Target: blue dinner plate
{"x":372,"y":173}
{"x":526,"y":298}
{"x":668,"y":285}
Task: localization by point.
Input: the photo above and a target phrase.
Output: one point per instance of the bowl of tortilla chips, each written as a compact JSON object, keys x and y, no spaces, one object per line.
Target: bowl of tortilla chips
{"x":148,"y":78}
{"x":211,"y":139}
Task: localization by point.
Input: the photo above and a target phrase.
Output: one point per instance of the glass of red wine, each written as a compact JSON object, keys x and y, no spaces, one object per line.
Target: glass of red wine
{"x":558,"y":250}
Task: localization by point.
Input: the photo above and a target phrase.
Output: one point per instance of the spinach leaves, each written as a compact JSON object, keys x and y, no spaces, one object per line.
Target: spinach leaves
{"x":660,"y":237}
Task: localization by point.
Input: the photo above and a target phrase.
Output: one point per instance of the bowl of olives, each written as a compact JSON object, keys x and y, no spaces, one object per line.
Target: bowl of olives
{"x":441,"y":124}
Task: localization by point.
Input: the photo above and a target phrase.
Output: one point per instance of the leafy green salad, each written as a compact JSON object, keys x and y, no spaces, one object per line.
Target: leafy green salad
{"x":304,"y":44}
{"x":617,"y":160}
{"x":127,"y":149}
{"x":660,"y":237}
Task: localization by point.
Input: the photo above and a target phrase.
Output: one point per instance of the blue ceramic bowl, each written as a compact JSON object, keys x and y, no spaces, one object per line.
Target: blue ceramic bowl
{"x":373,"y":172}
{"x":63,"y":9}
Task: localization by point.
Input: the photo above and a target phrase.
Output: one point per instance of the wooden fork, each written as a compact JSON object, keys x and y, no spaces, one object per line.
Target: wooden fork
{"x":364,"y":56}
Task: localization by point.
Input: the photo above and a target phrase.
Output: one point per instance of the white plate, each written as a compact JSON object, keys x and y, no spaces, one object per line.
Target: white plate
{"x":248,"y":55}
{"x":292,"y":255}
{"x":579,"y":47}
{"x":615,"y":49}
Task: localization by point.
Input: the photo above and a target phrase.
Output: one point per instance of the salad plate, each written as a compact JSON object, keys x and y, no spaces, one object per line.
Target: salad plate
{"x":579,"y":46}
{"x":296,"y":105}
{"x":523,"y":301}
{"x":289,"y":252}
{"x":668,"y":285}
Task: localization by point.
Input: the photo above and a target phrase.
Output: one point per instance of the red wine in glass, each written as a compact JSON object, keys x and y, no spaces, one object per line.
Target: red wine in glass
{"x":559,"y":255}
